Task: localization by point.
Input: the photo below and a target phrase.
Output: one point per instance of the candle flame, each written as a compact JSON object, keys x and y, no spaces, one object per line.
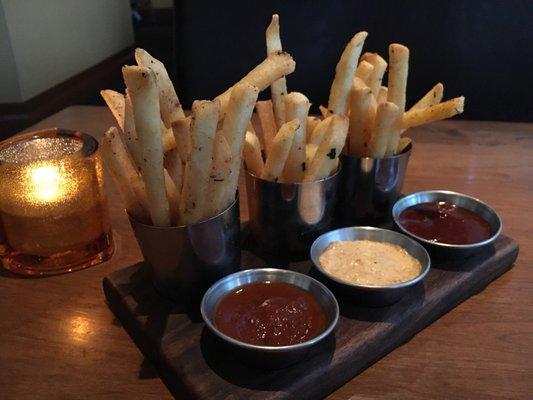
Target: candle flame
{"x":46,"y":182}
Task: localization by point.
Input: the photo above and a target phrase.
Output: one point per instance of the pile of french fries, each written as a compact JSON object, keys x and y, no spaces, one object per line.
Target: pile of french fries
{"x":172,"y":169}
{"x":363,"y":118}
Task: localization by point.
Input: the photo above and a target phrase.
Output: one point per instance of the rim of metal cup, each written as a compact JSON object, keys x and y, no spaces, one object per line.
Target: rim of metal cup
{"x":184,"y":226}
{"x":337,"y":171}
{"x":404,"y":203}
{"x":425,"y":268}
{"x":402,"y":154}
{"x":270,"y":349}
{"x":89,"y":143}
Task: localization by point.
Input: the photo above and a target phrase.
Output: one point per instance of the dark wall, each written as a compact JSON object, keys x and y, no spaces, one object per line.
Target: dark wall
{"x":480,"y":49}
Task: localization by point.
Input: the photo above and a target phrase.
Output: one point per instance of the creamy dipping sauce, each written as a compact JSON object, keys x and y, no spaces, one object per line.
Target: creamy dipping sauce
{"x":371,"y":263}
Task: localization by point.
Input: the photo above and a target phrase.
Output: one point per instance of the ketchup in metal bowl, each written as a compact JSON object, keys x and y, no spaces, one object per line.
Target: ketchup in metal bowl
{"x":270,"y":314}
{"x":444,"y":222}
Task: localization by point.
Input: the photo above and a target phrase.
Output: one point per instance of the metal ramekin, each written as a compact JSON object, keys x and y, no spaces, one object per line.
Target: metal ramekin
{"x":269,"y":356}
{"x":369,"y":294}
{"x":459,"y":199}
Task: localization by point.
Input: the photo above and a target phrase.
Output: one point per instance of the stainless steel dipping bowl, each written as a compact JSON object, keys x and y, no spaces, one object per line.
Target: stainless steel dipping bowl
{"x":459,"y":199}
{"x":269,"y":356}
{"x":369,"y":294}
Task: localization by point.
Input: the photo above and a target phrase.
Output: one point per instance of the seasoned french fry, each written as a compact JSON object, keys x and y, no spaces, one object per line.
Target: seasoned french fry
{"x":115,"y":103}
{"x":319,"y":131}
{"x":344,"y":74}
{"x":312,"y":122}
{"x":168,"y":99}
{"x":324,"y":111}
{"x":364,"y":70}
{"x":382,"y":95}
{"x":218,"y":179}
{"x":404,"y":142}
{"x":362,"y":113}
{"x":240,"y":107}
{"x":376,"y":76}
{"x":142,"y":88}
{"x":434,"y":96}
{"x":296,"y":106}
{"x":398,"y":70}
{"x":279,"y":151}
{"x":271,"y":69}
{"x":310,"y":151}
{"x":167,"y":137}
{"x":386,"y":116}
{"x":173,"y":196}
{"x":125,"y":175}
{"x":130,"y":135}
{"x":265,"y":112}
{"x":182,"y":136}
{"x":252,"y":154}
{"x":278,"y":88}
{"x":434,"y":113}
{"x":198,"y":167}
{"x":328,"y":151}
{"x":174,"y":166}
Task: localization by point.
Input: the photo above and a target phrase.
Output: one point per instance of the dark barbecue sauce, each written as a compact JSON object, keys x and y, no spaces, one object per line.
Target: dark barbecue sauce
{"x":270,"y":314}
{"x":445,"y":222}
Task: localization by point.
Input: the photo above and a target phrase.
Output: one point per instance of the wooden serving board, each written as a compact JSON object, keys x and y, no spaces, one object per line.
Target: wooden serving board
{"x":192,"y":363}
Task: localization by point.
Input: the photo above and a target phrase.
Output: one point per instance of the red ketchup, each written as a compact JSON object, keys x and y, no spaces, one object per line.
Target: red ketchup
{"x":270,"y":314}
{"x":445,"y":222}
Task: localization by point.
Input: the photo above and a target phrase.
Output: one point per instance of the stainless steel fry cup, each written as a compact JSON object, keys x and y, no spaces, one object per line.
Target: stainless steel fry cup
{"x":368,"y":188}
{"x":285,"y":218}
{"x":186,"y":260}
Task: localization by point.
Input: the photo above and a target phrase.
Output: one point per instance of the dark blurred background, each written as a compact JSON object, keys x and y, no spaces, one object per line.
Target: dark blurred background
{"x":481,"y":49}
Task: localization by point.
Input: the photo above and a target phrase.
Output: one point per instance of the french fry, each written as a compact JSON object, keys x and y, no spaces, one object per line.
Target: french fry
{"x":325,"y":112}
{"x":382,"y":95}
{"x":220,"y":170}
{"x":312,"y":122}
{"x":173,"y":196}
{"x":376,"y":76}
{"x":319,"y":131}
{"x":404,"y":142}
{"x":174,"y":166}
{"x":434,"y":96}
{"x":125,"y":175}
{"x":115,"y":103}
{"x":252,"y":154}
{"x":362,"y":113}
{"x":296,"y":106}
{"x":278,"y":88}
{"x":271,"y":69}
{"x":279,"y":151}
{"x":142,"y":88}
{"x":240,"y":107}
{"x":182,"y":136}
{"x":168,"y":99}
{"x":434,"y":113}
{"x":328,"y":151}
{"x":167,"y":137}
{"x":198,"y":167}
{"x":398,"y":70}
{"x":344,"y":74}
{"x":310,"y":151}
{"x":130,"y":135}
{"x":386,"y":116}
{"x":364,"y":70}
{"x":265,"y":112}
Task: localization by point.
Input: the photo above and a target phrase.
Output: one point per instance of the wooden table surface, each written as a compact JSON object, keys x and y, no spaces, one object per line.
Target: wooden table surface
{"x":59,"y":340}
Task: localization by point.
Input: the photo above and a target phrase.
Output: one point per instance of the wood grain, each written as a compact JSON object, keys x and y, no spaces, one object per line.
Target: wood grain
{"x":194,"y":364}
{"x":58,"y":338}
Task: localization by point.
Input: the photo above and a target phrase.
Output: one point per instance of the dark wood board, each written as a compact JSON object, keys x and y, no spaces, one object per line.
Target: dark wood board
{"x":192,"y":363}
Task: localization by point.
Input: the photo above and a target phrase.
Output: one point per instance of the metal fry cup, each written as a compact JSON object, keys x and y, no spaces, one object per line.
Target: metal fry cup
{"x":368,"y":188}
{"x":186,"y":260}
{"x":285,"y":218}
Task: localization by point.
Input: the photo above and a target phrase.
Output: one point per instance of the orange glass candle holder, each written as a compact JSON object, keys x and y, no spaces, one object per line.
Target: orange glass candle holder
{"x":53,"y":210}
